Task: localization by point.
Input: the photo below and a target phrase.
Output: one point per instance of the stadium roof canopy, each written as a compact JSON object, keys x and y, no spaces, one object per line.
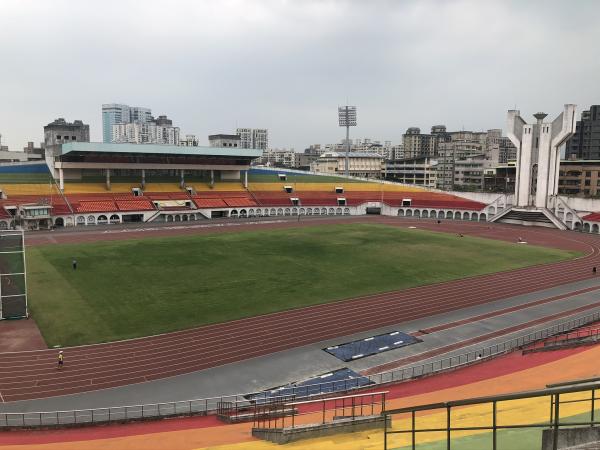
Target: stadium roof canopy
{"x":98,"y":147}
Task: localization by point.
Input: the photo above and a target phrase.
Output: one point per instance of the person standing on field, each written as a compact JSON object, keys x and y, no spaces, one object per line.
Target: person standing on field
{"x":61,"y":360}
{"x":74,"y":264}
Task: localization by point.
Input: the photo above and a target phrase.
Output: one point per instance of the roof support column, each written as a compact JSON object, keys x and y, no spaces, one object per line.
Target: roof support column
{"x":143,"y":178}
{"x":61,"y":179}
{"x":182,"y":180}
{"x":245,"y":179}
{"x":108,"y":179}
{"x":212,"y":177}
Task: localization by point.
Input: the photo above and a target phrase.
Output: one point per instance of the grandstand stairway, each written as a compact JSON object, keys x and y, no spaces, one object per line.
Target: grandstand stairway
{"x":540,"y":217}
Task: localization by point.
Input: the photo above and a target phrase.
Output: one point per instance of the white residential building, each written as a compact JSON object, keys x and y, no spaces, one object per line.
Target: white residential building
{"x":145,"y":133}
{"x":367,"y":165}
{"x":253,"y":138}
{"x":421,"y":171}
{"x":279,"y":158}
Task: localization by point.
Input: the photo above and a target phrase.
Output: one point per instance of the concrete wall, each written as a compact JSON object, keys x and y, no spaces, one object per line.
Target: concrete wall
{"x":582,"y":204}
{"x":230,"y":175}
{"x":286,"y":435}
{"x":570,"y":437}
{"x":483,"y":197}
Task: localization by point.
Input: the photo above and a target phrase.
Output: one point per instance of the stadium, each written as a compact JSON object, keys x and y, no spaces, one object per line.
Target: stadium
{"x":255,"y":307}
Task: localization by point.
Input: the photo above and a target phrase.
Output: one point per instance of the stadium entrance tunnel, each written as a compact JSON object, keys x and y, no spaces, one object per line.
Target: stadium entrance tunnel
{"x":374,"y":211}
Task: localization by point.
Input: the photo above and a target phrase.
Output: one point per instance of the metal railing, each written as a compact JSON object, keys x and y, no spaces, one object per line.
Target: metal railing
{"x":211,"y":405}
{"x":452,"y":424}
{"x":279,"y":415}
{"x":453,"y":362}
{"x":577,"y":337}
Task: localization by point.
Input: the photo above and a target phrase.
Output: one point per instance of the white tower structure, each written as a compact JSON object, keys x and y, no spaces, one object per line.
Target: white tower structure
{"x":538,"y":155}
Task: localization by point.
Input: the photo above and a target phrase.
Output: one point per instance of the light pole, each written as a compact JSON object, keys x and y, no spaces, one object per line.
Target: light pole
{"x":347,"y":118}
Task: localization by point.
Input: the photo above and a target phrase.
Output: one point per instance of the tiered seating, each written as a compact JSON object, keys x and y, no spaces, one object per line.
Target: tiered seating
{"x":134,"y":205}
{"x":35,"y":193}
{"x":93,"y":195}
{"x":95,"y":206}
{"x":108,"y":202}
{"x":593,"y":217}
{"x":224,"y":199}
{"x":209,"y":203}
{"x":166,"y":195}
{"x":46,"y":189}
{"x":85,"y":188}
{"x":225,"y":186}
{"x":239,"y":202}
{"x":419,"y":199}
{"x":161,"y":187}
{"x":330,"y":187}
{"x":272,"y":198}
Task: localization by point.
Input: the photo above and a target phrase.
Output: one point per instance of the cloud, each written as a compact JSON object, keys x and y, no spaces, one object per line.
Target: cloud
{"x":286,"y":65}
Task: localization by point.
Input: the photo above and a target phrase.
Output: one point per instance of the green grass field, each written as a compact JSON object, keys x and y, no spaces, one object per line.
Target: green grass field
{"x":124,"y":289}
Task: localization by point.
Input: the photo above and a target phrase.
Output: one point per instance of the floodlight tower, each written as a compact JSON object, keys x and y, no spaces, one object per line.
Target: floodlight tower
{"x":347,"y":117}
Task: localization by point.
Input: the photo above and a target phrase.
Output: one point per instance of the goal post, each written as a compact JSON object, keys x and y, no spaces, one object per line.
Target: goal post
{"x":13,"y":278}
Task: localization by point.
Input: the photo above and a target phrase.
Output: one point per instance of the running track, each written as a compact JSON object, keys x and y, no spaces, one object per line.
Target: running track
{"x":29,"y":375}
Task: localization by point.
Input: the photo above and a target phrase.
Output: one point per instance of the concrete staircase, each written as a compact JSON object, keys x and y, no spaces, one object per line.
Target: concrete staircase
{"x":533,"y":217}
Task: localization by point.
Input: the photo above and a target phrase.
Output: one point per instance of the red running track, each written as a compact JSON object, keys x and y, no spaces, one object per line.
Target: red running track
{"x":28,"y":375}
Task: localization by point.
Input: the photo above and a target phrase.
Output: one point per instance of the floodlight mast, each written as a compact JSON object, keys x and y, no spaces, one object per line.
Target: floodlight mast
{"x":347,"y":118}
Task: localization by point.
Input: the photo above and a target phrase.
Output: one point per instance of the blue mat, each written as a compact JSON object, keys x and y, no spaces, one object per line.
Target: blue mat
{"x":336,"y":381}
{"x":373,"y":345}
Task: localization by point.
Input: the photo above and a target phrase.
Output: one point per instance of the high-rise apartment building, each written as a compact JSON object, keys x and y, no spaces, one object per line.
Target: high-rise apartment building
{"x":253,"y":138}
{"x":461,"y":152}
{"x":145,"y":133}
{"x":417,"y":144}
{"x":114,"y":113}
{"x":585,"y":143}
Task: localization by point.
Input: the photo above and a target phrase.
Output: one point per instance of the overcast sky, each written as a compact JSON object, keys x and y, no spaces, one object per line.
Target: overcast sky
{"x":287,"y":65}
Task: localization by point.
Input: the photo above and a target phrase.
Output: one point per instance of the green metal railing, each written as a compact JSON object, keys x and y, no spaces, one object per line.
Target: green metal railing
{"x":557,"y":396}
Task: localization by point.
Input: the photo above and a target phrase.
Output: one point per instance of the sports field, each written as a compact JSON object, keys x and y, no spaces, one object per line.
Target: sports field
{"x":132,"y":288}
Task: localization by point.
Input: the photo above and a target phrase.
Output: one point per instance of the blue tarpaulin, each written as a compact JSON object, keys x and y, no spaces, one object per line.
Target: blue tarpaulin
{"x":336,"y":381}
{"x":373,"y":345}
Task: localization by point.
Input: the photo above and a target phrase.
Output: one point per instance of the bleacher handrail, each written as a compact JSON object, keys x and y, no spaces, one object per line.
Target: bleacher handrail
{"x":554,"y":423}
{"x":120,"y":413}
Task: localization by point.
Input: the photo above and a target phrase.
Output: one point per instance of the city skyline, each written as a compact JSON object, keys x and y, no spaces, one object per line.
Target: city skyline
{"x":287,"y":66}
